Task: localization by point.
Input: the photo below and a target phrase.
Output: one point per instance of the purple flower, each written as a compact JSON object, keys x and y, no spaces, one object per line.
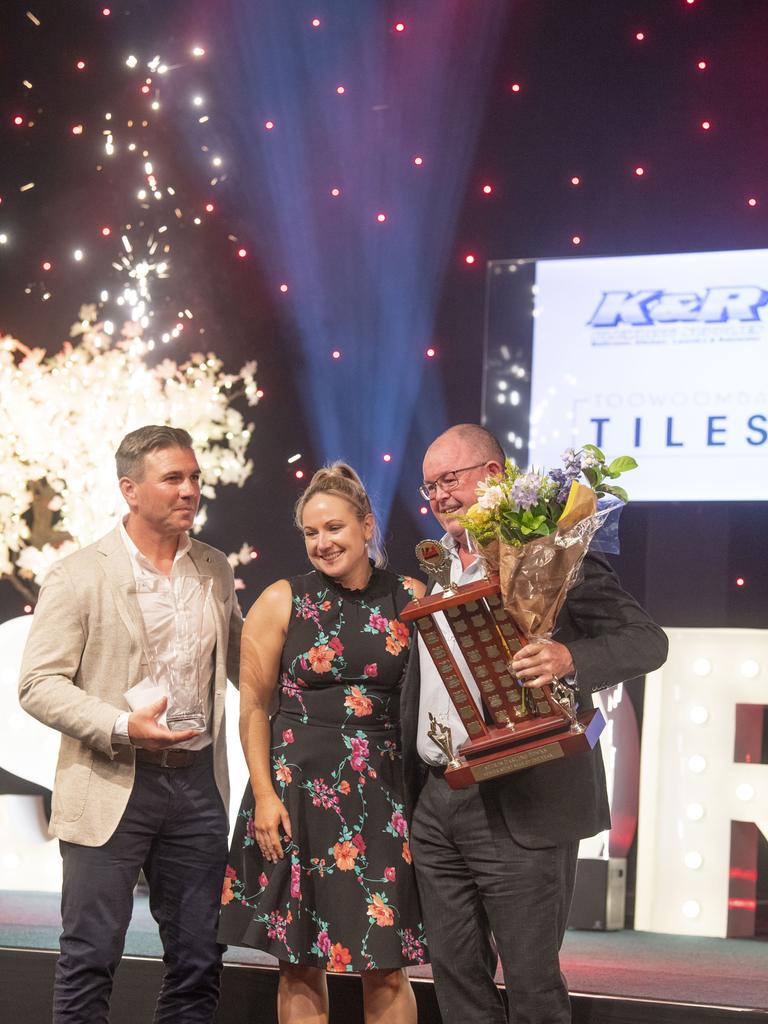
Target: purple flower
{"x":324,"y":943}
{"x":526,"y":490}
{"x":572,"y":462}
{"x":562,"y":481}
{"x":378,"y":622}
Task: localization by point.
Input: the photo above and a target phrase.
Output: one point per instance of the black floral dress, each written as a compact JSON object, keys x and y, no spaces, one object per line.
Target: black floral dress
{"x":343,"y":897}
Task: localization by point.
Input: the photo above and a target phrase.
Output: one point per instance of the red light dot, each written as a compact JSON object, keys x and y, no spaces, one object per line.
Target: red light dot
{"x":269,"y":125}
{"x":106,"y":232}
{"x":751,"y":201}
{"x":639,"y":36}
{"x":399,"y":26}
{"x":702,"y":65}
{"x":470,"y":258}
{"x":283,"y":287}
{"x":335,"y":192}
{"x":639,"y":171}
{"x":18,"y":120}
{"x":242,"y":253}
{"x":28,"y":609}
{"x":299,"y":474}
{"x":424,"y":510}
{"x":706,"y":125}
{"x":80,"y":65}
{"x":260,"y":393}
{"x":487,"y":189}
{"x":387,"y":457}
{"x":77,"y":129}
{"x":418,"y":160}
{"x":254,"y":555}
{"x":690,"y":2}
{"x":340,"y":90}
{"x":145,"y":88}
{"x":209,"y":207}
{"x":315,"y":23}
{"x":515,"y":87}
{"x":431,"y":353}
{"x":106,"y":11}
{"x":576,"y":240}
{"x":336,"y":354}
{"x":740,"y":581}
{"x":47,"y":265}
{"x":575,"y":180}
{"x":381,"y":217}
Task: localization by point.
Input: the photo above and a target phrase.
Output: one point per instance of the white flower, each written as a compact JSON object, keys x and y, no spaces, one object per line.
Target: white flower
{"x":489,"y":496}
{"x":89,"y":395}
{"x":37,"y":561}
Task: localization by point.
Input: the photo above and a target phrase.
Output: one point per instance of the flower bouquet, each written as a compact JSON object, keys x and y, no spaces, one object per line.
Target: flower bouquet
{"x":534,"y":528}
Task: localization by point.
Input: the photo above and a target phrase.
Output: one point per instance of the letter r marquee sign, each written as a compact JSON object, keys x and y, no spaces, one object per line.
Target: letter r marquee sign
{"x":703,"y":788}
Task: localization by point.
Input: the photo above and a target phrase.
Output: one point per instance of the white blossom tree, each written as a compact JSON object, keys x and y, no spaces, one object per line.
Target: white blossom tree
{"x":63,"y":416}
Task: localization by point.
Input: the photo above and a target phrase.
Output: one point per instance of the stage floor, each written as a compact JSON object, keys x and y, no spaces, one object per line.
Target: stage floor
{"x":729,"y":973}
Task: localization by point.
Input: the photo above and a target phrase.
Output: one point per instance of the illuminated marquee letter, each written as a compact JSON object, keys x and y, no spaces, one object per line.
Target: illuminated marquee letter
{"x":703,"y":790}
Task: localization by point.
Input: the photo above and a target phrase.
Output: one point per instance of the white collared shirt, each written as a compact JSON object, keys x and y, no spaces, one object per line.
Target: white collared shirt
{"x":433,"y":696}
{"x":153,"y":593}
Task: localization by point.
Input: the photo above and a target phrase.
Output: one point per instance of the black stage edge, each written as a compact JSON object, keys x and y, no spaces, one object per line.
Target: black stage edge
{"x":248,"y":997}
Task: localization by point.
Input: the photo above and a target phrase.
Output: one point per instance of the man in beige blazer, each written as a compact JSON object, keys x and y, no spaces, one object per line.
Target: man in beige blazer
{"x":130,"y":793}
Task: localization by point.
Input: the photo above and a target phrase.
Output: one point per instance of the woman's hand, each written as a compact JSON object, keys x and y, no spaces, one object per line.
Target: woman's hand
{"x":269,"y":815}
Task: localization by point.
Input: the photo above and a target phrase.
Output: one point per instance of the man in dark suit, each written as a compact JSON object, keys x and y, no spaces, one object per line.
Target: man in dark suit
{"x":496,"y":862}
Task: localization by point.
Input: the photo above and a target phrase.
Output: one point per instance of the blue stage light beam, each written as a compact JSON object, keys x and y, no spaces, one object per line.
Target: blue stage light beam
{"x":365,"y":288}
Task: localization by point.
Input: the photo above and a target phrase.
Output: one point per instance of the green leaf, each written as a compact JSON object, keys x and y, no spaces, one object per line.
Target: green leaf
{"x":530,"y":520}
{"x":591,"y":476}
{"x":618,"y":491}
{"x":622,"y":464}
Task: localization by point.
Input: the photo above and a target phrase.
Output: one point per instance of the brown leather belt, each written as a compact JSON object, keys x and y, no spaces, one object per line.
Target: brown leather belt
{"x":172,"y":757}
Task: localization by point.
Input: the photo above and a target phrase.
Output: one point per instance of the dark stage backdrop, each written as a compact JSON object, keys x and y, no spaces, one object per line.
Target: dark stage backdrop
{"x":580,"y":96}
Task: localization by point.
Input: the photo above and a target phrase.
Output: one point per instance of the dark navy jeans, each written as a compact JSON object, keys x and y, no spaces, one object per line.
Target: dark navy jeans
{"x":175,"y":827}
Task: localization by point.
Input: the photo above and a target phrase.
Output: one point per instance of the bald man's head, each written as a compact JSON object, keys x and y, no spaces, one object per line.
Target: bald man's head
{"x":454,"y":464}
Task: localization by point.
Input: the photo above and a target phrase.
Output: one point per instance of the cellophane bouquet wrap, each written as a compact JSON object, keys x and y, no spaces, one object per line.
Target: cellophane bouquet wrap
{"x":534,"y":528}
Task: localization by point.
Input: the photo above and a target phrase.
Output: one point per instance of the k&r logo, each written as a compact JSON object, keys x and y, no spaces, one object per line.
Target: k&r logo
{"x":649,"y":306}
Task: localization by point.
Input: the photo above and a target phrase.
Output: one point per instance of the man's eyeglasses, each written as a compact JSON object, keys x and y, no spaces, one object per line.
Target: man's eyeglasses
{"x":446,"y":481}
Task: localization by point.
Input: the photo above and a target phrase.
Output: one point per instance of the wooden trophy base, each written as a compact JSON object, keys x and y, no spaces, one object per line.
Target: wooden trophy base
{"x":516,"y":727}
{"x":501,"y":752}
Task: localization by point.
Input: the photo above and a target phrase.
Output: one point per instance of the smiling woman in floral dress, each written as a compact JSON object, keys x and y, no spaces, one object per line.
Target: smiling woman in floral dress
{"x":320,"y":869}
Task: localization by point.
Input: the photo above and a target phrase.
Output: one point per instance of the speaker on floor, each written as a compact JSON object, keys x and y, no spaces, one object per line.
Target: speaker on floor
{"x":599,"y":895}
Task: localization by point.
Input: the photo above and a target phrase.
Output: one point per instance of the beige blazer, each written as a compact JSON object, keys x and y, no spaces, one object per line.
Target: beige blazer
{"x":83,"y":652}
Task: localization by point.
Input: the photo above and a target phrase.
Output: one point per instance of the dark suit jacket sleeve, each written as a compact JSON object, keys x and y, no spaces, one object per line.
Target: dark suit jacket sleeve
{"x":610,"y":637}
